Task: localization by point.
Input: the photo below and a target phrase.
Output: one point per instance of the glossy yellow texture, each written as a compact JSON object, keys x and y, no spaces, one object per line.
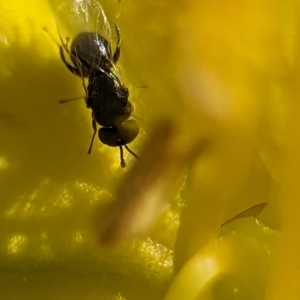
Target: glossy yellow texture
{"x":234,"y":266}
{"x":228,"y":71}
{"x":245,"y":57}
{"x":240,"y":48}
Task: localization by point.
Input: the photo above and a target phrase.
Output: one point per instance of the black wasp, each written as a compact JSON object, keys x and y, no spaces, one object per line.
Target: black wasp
{"x":106,"y":95}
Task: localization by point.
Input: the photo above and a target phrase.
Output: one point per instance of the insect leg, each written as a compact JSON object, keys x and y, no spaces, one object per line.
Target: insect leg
{"x":65,"y":45}
{"x":72,"y":69}
{"x":123,"y":164}
{"x":94,"y":125}
{"x":118,"y":49}
{"x":79,"y":70}
{"x":131,"y":152}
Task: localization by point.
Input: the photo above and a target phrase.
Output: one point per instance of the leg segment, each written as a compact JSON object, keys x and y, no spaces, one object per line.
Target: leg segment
{"x":123,"y":164}
{"x":72,"y":69}
{"x":131,"y":152}
{"x":94,"y":125}
{"x":65,"y":45}
{"x":118,"y":49}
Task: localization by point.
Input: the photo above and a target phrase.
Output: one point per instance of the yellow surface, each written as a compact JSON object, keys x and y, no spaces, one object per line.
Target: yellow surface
{"x":227,"y":71}
{"x":234,"y":266}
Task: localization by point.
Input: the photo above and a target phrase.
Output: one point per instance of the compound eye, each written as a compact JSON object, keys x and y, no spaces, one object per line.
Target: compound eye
{"x":109,"y":136}
{"x":129,"y":130}
{"x":121,"y":135}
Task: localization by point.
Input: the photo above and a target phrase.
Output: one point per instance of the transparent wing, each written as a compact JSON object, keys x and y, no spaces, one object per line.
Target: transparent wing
{"x":76,"y":16}
{"x":86,"y":23}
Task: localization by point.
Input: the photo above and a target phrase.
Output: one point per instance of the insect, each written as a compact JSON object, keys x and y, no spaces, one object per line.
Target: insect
{"x":92,"y":58}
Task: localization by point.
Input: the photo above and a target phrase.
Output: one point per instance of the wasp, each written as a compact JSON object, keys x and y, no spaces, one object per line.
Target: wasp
{"x":107,"y":97}
{"x":92,"y":58}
